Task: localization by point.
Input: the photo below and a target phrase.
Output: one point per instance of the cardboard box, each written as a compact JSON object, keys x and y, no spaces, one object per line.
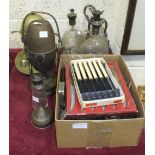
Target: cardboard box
{"x":100,"y":133}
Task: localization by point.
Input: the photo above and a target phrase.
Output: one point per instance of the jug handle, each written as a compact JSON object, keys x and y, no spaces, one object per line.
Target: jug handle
{"x":85,"y":8}
{"x":106,"y":25}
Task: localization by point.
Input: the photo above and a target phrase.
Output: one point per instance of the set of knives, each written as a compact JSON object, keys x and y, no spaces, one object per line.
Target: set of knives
{"x":94,"y":83}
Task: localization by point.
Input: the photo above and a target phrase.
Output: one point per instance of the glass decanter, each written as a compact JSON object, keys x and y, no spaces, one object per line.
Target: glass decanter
{"x":72,"y":38}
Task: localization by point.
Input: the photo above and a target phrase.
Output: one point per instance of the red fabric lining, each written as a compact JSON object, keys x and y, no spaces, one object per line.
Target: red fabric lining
{"x":27,"y":140}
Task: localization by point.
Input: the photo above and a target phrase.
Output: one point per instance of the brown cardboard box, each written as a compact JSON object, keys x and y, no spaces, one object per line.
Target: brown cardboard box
{"x":100,"y":133}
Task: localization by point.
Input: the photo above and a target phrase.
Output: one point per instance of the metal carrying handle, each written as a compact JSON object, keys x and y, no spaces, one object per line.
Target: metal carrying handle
{"x":106,"y":26}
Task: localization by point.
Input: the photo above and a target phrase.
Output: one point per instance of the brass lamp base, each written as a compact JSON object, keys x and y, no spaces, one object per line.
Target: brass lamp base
{"x":42,"y":117}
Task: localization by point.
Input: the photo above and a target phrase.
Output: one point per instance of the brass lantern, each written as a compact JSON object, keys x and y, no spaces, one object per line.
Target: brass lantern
{"x":40,"y":47}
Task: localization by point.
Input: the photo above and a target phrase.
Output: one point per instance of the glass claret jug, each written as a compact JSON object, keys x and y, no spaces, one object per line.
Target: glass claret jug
{"x":95,"y":44}
{"x":96,"y":36}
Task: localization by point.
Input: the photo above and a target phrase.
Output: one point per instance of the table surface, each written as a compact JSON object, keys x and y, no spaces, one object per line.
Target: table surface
{"x":27,"y":140}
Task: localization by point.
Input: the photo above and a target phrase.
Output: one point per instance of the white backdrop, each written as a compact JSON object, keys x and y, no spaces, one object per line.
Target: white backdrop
{"x":115,"y":13}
